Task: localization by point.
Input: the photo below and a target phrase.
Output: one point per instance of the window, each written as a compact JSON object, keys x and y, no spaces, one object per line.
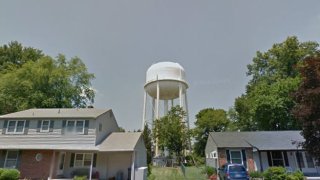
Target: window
{"x":11,"y":159}
{"x":16,"y":127}
{"x":309,"y":160}
{"x":277,"y":158}
{"x":45,"y":126}
{"x":75,"y":126}
{"x":83,"y":160}
{"x":236,"y":157}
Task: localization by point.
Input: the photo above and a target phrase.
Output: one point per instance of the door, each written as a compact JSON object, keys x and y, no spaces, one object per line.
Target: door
{"x":61,"y":161}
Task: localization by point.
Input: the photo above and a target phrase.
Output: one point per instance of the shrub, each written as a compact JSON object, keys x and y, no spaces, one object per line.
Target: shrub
{"x":80,"y":178}
{"x":275,"y":173}
{"x":1,"y":171}
{"x":208,"y":170}
{"x":297,"y":175}
{"x":9,"y":174}
{"x":256,"y":174}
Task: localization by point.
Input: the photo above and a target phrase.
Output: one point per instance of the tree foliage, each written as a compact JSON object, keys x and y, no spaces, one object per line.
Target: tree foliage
{"x":148,"y":142}
{"x":267,"y":103}
{"x":208,"y":120}
{"x":307,"y":109}
{"x":171,"y":132}
{"x":29,"y":79}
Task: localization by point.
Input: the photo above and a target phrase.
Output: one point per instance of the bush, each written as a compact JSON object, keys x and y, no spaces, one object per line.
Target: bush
{"x":208,"y":170}
{"x":275,"y":173}
{"x":1,"y":171}
{"x":256,"y":174}
{"x":9,"y":174}
{"x":80,"y":178}
{"x":297,"y":175}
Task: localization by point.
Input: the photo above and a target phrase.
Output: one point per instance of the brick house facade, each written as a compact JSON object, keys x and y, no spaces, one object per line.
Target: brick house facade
{"x":259,"y":150}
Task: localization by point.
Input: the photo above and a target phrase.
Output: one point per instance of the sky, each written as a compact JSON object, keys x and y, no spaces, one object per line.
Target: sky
{"x":119,"y":40}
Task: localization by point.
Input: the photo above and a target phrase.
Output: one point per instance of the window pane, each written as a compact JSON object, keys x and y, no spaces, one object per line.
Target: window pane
{"x":11,"y":126}
{"x":88,"y":157}
{"x":277,"y":162}
{"x":80,"y":126}
{"x":45,"y":125}
{"x":235,"y":154}
{"x":237,"y":161}
{"x":70,"y":126}
{"x":79,"y":157}
{"x":276,"y":155}
{"x":20,"y":126}
{"x":236,"y":168}
{"x":11,"y":164}
{"x":12,"y":154}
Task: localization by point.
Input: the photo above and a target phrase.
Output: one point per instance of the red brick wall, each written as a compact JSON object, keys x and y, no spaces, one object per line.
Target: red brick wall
{"x":250,"y":161}
{"x":222,"y":156}
{"x":249,"y":155}
{"x":30,"y":168}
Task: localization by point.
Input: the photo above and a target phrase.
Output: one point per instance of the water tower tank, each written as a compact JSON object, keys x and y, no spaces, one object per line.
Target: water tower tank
{"x":166,"y":85}
{"x":170,"y":76}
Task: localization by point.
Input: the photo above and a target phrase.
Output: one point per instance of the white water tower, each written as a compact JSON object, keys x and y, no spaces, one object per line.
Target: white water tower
{"x":165,"y":87}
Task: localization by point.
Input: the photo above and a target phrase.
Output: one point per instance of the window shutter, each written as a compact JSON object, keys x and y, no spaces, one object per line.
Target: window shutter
{"x":51,"y":125}
{"x":72,"y":160}
{"x":39,"y":126}
{"x":94,"y":159}
{"x":3,"y":157}
{"x":269,"y":158}
{"x":26,"y":127}
{"x":64,"y":122}
{"x":4,"y":129}
{"x":228,"y":156}
{"x":18,"y":159}
{"x":86,"y":127}
{"x":285,"y":156}
{"x":244,"y":157}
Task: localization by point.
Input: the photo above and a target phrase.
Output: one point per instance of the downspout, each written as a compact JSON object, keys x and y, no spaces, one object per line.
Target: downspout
{"x":91,"y":164}
{"x":132,"y":165}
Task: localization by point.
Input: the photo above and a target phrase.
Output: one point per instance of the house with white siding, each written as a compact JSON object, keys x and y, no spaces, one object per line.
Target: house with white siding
{"x":259,"y":150}
{"x":63,"y":143}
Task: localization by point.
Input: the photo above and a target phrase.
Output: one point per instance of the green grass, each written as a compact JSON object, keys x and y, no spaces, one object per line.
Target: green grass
{"x":168,"y":173}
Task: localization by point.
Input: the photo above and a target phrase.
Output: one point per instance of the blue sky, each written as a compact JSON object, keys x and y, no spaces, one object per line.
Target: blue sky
{"x":118,"y":40}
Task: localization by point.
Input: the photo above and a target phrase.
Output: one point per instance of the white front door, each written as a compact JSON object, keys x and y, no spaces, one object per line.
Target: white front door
{"x":61,"y":161}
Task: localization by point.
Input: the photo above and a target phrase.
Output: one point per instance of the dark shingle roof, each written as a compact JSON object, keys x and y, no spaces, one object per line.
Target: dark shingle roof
{"x":263,"y":140}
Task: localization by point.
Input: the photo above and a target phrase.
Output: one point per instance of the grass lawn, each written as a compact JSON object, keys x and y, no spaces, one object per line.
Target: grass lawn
{"x":168,"y":173}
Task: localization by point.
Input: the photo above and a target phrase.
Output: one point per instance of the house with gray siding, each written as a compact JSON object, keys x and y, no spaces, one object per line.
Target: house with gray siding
{"x":259,"y":150}
{"x":62,"y":143}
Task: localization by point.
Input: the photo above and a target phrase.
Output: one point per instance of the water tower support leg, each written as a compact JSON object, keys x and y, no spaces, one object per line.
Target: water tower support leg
{"x":144,"y":111}
{"x":166,"y":107}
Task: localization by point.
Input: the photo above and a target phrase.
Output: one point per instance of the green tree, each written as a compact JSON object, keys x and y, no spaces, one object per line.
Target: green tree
{"x":307,"y":108}
{"x":148,"y":142}
{"x":44,"y":83}
{"x":208,"y":120}
{"x":171,"y":132}
{"x":15,"y":55}
{"x":267,"y":103}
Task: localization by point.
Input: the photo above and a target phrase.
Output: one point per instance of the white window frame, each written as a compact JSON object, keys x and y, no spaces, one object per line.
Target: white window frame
{"x":6,"y":159}
{"x":236,"y":150}
{"x":74,"y":131}
{"x":41,"y":130}
{"x":15,"y":128}
{"x":83,"y":157}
